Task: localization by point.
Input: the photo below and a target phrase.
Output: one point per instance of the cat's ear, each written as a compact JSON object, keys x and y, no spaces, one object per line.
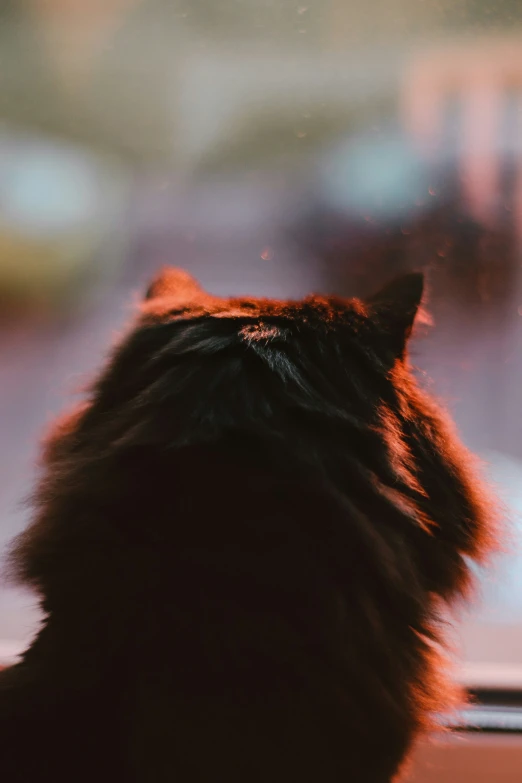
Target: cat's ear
{"x":394,"y":309}
{"x":173,"y":282}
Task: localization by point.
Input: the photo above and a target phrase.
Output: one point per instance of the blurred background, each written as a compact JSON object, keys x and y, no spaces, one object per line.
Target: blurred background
{"x":271,"y":147}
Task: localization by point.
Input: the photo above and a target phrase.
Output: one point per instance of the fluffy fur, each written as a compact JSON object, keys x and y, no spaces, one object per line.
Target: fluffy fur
{"x":242,"y":542}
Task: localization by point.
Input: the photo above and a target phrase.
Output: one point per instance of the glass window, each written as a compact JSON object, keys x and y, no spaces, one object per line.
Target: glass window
{"x":270,"y":148}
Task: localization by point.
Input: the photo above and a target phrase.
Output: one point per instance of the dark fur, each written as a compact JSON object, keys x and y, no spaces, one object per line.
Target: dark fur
{"x":243,"y":542}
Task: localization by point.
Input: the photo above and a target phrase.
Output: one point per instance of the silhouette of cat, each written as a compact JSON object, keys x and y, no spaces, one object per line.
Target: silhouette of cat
{"x":243,"y":543}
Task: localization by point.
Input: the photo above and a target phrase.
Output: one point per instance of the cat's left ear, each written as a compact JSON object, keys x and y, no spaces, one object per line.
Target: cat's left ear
{"x":394,"y":309}
{"x":173,"y":282}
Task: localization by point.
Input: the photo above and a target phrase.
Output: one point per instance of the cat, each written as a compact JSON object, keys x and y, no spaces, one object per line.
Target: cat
{"x":243,"y":542}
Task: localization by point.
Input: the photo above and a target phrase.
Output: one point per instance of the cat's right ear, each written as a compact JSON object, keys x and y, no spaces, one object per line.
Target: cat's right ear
{"x":394,"y":308}
{"x":173,"y":282}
